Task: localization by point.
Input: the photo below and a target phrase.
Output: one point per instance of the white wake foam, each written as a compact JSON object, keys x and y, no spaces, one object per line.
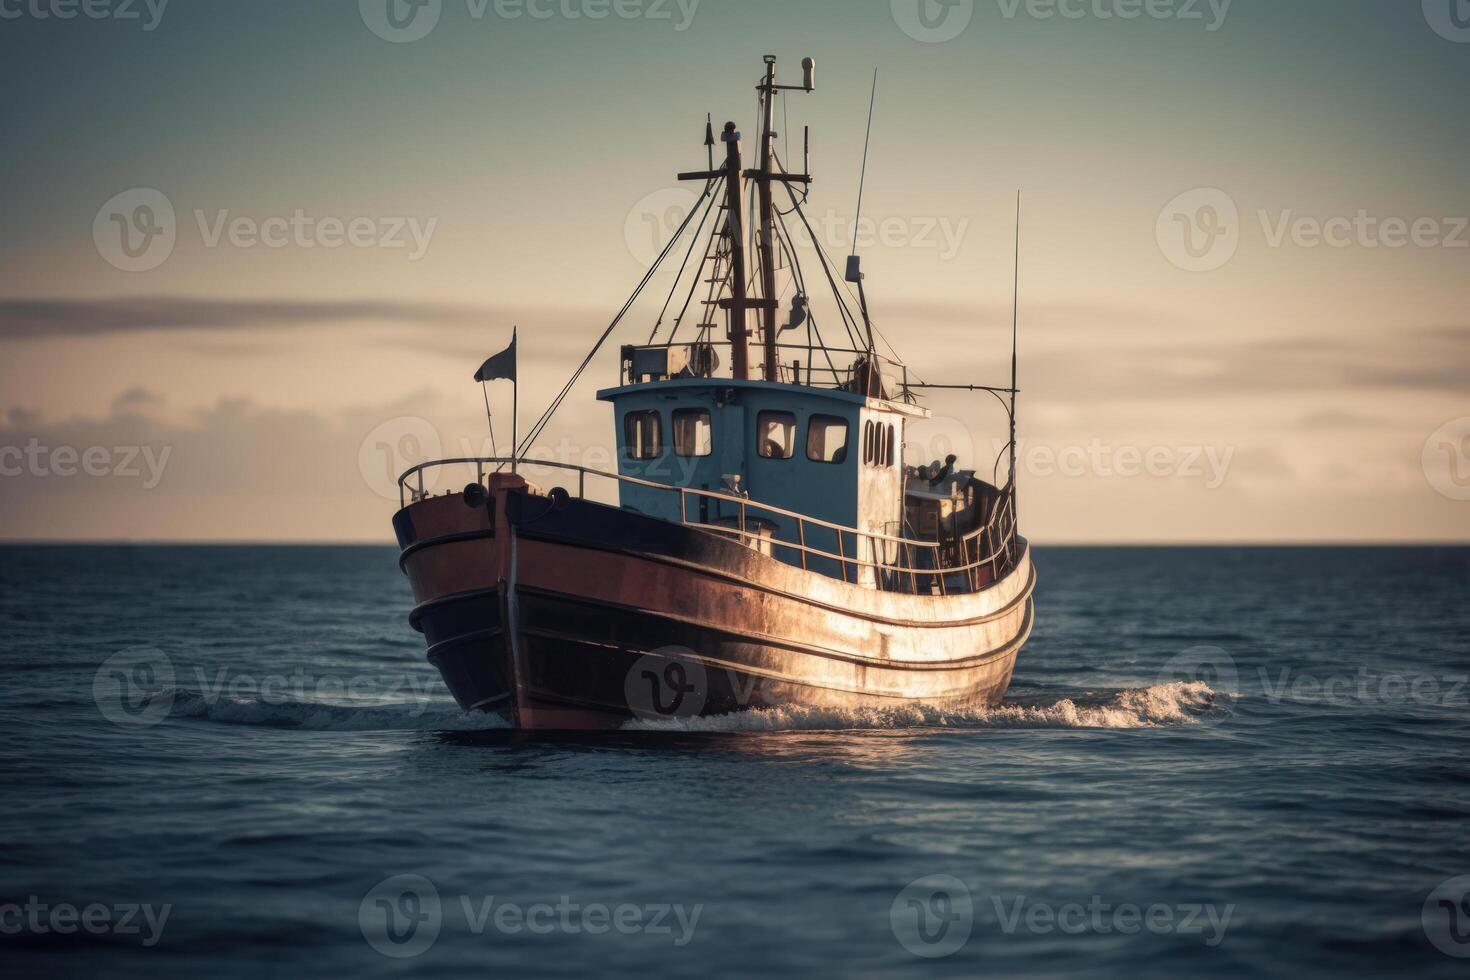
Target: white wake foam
{"x":430,"y":716}
{"x":1159,"y":706}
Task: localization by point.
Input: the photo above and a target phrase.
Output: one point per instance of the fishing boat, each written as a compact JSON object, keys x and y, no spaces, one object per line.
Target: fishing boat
{"x":762,"y":544}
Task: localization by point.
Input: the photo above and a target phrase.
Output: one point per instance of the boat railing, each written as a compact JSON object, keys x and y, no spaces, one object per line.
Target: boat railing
{"x":921,"y":565}
{"x":819,"y":370}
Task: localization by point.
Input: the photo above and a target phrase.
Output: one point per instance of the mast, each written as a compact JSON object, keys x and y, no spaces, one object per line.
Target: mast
{"x":739,"y":300}
{"x":768,"y":252}
{"x":735,"y":207}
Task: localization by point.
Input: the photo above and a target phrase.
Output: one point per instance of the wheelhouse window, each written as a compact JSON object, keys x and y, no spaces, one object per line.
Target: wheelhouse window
{"x":641,"y":436}
{"x":826,"y":439}
{"x":775,"y":435}
{"x":888,"y":447}
{"x":868,"y":443}
{"x":693,"y":435}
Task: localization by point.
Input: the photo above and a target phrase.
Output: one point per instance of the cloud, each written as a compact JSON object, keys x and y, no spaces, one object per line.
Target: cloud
{"x":28,"y":319}
{"x":135,"y":399}
{"x":1415,"y":359}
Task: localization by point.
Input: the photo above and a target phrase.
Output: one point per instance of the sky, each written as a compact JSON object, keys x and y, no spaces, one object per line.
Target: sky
{"x":1243,"y":285}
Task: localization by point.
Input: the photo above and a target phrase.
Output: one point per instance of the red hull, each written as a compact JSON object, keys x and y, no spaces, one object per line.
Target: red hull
{"x":566,"y":614}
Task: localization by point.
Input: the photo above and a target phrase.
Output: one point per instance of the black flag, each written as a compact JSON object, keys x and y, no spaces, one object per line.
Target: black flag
{"x":502,"y":365}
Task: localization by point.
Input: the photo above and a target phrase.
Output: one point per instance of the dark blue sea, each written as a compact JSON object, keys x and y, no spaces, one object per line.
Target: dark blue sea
{"x":236,"y":762}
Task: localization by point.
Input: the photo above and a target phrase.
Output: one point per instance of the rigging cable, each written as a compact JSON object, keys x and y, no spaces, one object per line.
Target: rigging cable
{"x":797,"y":207}
{"x":566,"y":389}
{"x":822,"y":258}
{"x":698,"y":279}
{"x":788,"y":247}
{"x":682,"y":266}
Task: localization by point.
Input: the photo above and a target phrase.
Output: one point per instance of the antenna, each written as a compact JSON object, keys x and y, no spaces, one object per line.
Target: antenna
{"x":806,"y":159}
{"x":863,"y":174}
{"x":1015,"y":315}
{"x":854,"y":265}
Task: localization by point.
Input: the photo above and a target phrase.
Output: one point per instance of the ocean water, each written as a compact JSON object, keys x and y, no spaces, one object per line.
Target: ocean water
{"x":235,"y":761}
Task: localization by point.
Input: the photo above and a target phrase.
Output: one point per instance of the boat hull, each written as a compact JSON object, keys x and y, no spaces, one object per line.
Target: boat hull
{"x":561,"y":614}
